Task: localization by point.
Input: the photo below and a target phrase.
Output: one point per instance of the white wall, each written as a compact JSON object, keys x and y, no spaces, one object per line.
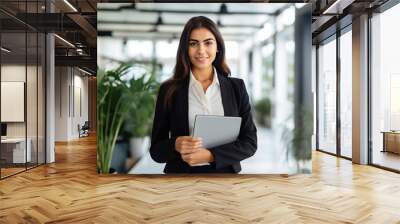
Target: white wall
{"x":33,"y":126}
{"x":62,"y":81}
{"x":71,"y":87}
{"x":14,"y":73}
{"x":17,"y":73}
{"x":80,"y":94}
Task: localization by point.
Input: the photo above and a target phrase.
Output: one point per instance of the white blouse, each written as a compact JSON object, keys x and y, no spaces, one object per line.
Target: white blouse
{"x":208,"y":103}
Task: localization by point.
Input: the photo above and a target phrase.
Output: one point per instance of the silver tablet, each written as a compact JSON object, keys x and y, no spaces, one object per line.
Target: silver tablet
{"x":216,"y":130}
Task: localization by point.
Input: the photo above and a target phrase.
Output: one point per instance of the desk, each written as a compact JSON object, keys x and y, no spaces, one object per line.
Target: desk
{"x":13,"y":150}
{"x":391,"y":141}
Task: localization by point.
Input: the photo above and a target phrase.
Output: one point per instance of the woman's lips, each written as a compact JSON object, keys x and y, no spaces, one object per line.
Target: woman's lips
{"x":202,"y":59}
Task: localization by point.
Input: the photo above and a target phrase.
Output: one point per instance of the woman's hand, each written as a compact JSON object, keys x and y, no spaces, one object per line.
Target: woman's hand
{"x":187,"y":144}
{"x":191,"y":150}
{"x":202,"y":155}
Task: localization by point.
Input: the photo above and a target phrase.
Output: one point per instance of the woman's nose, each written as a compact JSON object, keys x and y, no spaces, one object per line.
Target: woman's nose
{"x":201,"y":48}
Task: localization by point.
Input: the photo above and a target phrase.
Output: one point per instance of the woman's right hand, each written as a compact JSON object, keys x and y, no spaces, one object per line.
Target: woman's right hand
{"x":188,"y":144}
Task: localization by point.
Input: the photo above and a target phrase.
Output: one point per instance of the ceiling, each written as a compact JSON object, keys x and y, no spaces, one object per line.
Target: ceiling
{"x":73,"y":20}
{"x":166,"y":20}
{"x":81,"y":23}
{"x":331,"y":16}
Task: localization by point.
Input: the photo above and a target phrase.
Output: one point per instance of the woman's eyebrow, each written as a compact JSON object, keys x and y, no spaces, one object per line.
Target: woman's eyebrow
{"x":203,"y":40}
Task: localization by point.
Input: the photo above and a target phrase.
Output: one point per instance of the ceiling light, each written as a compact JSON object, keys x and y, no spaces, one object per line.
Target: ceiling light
{"x":5,"y":50}
{"x":64,"y":40}
{"x":159,"y":20}
{"x":70,"y":5}
{"x":223,"y":9}
{"x":337,"y":7}
{"x":86,"y":72}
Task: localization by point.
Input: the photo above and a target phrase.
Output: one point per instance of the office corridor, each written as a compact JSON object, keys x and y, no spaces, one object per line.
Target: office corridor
{"x":270,"y":158}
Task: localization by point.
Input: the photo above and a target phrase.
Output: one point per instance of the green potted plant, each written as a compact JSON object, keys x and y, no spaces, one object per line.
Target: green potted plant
{"x":124,"y":94}
{"x":138,"y":122}
{"x":263,"y":112}
{"x":298,"y":139}
{"x":111,"y":112}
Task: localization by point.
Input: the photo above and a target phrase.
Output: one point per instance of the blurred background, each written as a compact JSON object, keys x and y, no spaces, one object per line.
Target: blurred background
{"x":260,"y":49}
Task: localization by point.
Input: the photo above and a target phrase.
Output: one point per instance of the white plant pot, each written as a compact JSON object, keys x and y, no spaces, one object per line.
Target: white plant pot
{"x":139,"y":146}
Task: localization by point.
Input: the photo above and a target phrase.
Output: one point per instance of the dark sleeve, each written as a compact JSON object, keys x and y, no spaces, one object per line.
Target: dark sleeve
{"x":246,"y":143}
{"x":162,"y":146}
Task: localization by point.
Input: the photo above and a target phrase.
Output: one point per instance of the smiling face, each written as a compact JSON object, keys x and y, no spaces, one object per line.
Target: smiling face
{"x":202,"y":48}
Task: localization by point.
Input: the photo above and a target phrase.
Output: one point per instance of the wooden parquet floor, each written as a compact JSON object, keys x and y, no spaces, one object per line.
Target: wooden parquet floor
{"x":70,"y":191}
{"x":10,"y":171}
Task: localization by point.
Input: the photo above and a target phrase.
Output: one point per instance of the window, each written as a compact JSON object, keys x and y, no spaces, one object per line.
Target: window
{"x":346,"y":94}
{"x":327,"y":96}
{"x":385,"y":89}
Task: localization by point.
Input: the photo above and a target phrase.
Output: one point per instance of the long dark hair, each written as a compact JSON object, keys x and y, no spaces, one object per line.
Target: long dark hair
{"x":182,"y":66}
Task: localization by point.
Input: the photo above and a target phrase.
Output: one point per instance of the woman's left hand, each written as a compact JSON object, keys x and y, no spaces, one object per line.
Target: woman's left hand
{"x":203,"y":155}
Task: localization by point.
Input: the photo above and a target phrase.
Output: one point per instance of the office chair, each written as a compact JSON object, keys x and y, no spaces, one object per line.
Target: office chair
{"x":84,"y":130}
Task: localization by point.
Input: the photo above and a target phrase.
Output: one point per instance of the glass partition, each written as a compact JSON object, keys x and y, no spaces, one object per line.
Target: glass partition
{"x":22,"y":88}
{"x":14,"y":152}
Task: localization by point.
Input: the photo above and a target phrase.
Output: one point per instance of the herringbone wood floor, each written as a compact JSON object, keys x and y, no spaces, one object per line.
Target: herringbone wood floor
{"x":70,"y":191}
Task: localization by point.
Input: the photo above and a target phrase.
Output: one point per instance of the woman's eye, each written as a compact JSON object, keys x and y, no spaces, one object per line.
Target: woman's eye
{"x":208,"y":43}
{"x":192,"y":44}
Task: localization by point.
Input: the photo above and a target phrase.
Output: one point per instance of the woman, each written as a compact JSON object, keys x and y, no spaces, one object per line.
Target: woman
{"x":200,"y":85}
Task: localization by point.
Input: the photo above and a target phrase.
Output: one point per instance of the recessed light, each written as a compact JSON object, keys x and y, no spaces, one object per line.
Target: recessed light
{"x":70,"y":5}
{"x":86,"y":72}
{"x":64,"y":40}
{"x":337,"y":7}
{"x":5,"y":49}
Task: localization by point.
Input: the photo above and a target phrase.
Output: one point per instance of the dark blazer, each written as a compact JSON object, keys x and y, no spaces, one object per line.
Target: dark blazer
{"x":173,"y":122}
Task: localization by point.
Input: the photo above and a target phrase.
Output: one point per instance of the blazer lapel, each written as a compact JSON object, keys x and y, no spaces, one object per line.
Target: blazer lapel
{"x":226,"y":95}
{"x":185,"y":106}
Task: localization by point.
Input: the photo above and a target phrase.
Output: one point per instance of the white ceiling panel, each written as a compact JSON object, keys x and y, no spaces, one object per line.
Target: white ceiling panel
{"x":124,"y":27}
{"x":123,"y":16}
{"x":257,"y":20}
{"x":255,"y":7}
{"x":175,"y":29}
{"x":239,"y":30}
{"x":183,"y":18}
{"x":214,"y":7}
